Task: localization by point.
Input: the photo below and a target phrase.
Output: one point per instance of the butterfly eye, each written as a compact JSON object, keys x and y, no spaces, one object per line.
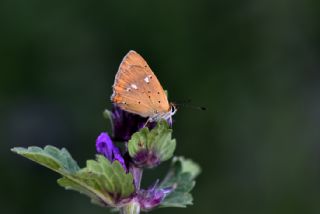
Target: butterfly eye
{"x":173,"y":109}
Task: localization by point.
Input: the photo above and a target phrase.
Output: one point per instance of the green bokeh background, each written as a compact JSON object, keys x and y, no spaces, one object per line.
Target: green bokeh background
{"x":253,"y":64}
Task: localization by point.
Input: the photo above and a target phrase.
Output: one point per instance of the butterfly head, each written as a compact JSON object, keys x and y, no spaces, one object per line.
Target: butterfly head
{"x":173,"y":109}
{"x":165,"y":115}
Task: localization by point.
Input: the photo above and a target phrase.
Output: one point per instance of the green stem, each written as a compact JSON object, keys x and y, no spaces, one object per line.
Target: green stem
{"x":137,"y":175}
{"x":131,"y":208}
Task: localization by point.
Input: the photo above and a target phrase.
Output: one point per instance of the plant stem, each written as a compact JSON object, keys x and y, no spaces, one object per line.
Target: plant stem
{"x":137,"y":175}
{"x":134,"y":206}
{"x":131,"y":208}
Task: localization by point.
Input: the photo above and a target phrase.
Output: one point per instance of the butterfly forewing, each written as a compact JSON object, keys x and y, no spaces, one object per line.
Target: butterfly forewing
{"x":137,"y":90}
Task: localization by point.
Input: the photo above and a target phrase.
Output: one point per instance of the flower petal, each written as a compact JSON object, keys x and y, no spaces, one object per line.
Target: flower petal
{"x":104,"y":145}
{"x":152,"y":197}
{"x":117,"y":156}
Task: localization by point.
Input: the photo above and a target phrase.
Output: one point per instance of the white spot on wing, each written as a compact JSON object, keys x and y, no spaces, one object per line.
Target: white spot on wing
{"x":128,"y":89}
{"x":134,"y":86}
{"x":146,"y":79}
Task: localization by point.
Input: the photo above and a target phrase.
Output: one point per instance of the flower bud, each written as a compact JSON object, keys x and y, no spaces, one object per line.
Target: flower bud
{"x":149,"y":148}
{"x":152,"y":197}
{"x":124,"y":123}
{"x":105,"y":146}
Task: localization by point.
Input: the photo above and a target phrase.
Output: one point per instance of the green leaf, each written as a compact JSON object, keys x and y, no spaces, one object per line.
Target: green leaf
{"x":180,"y":176}
{"x":104,"y":182}
{"x":188,"y":166}
{"x":108,"y":115}
{"x":107,"y":182}
{"x":158,"y":141}
{"x":50,"y":157}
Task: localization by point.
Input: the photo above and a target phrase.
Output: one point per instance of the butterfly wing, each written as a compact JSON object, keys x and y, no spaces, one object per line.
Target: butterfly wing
{"x":137,"y":90}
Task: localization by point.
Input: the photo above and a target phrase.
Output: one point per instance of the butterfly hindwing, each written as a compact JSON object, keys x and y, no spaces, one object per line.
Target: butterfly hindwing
{"x":137,"y":89}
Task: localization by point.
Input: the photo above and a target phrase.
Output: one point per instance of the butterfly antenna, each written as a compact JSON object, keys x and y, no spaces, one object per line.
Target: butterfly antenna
{"x":187,"y":103}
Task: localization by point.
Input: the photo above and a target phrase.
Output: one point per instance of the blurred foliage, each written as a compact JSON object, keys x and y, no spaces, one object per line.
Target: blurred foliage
{"x":253,"y":64}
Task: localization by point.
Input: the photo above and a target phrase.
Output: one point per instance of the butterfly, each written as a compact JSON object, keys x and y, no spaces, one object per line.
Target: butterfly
{"x":137,"y":90}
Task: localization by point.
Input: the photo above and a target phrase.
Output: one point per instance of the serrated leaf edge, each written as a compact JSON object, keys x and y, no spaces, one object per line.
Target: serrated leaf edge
{"x":106,"y":198}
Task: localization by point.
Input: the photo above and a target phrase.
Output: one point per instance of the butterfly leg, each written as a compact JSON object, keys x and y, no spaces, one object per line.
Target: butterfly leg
{"x":148,"y":121}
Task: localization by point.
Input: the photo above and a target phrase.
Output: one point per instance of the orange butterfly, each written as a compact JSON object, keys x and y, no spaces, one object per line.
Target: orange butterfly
{"x":137,"y":90}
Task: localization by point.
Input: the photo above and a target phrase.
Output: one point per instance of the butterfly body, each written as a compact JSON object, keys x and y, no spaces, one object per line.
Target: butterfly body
{"x":137,"y":90}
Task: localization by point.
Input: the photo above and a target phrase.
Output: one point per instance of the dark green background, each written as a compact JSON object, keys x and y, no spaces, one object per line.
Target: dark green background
{"x":254,"y":65}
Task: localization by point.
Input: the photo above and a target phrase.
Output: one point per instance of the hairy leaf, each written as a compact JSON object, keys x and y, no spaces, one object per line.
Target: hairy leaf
{"x":181,"y":177}
{"x":50,"y":157}
{"x":157,"y":141}
{"x":104,"y":182}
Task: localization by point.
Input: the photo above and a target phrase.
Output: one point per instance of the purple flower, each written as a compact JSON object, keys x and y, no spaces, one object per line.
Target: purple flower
{"x":125,"y":124}
{"x":105,"y":146}
{"x":152,"y":196}
{"x":146,"y":158}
